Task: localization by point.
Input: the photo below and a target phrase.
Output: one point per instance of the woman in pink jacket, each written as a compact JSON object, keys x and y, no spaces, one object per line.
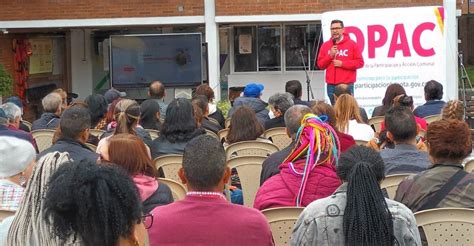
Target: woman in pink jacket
{"x":309,"y":172}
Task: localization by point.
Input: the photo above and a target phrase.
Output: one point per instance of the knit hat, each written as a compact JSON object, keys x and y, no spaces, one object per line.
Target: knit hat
{"x":112,"y":94}
{"x":253,"y":90}
{"x":16,"y":155}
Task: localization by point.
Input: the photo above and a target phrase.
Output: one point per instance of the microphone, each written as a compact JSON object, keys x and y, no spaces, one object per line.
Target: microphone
{"x":334,"y":41}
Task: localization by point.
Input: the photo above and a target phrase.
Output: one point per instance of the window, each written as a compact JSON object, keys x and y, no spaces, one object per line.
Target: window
{"x":260,"y":48}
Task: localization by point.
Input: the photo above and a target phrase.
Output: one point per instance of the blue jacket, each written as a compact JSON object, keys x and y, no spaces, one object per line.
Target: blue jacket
{"x":429,"y":108}
{"x":46,"y":121}
{"x":77,"y":151}
{"x":258,"y":106}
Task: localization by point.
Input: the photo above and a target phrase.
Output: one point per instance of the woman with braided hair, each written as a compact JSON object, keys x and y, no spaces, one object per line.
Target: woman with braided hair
{"x":453,"y":110}
{"x":357,"y":213}
{"x":309,"y":172}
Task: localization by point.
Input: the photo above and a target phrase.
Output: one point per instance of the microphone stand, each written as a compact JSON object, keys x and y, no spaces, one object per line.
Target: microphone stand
{"x":464,"y":79}
{"x":309,"y":90}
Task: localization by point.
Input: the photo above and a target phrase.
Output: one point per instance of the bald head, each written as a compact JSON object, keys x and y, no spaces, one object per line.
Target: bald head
{"x":341,"y":89}
{"x":156,"y":90}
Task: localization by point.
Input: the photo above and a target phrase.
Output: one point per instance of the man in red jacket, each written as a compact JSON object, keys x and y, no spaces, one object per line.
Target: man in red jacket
{"x":341,"y":57}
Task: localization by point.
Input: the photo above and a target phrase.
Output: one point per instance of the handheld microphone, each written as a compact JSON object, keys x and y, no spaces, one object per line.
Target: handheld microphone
{"x":334,"y":41}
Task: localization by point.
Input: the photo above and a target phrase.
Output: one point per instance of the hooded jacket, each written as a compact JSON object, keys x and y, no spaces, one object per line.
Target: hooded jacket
{"x":350,"y":56}
{"x":281,"y":190}
{"x":152,"y":193}
{"x":46,"y":121}
{"x":256,"y":104}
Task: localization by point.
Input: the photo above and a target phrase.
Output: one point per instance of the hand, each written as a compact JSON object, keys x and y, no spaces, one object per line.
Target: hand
{"x":337,"y":63}
{"x":333,"y":51}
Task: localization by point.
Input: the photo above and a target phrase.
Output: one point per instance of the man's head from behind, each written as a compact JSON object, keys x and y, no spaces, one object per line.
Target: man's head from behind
{"x":294,"y":88}
{"x":293,"y":117}
{"x":75,"y":123}
{"x":341,"y":89}
{"x":401,"y":125}
{"x":433,"y":90}
{"x":156,"y":90}
{"x":204,"y":165}
{"x":52,"y":103}
{"x":12,"y":113}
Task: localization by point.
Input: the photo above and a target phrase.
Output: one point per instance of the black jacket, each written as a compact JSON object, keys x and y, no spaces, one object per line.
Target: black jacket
{"x":219,"y":116}
{"x":162,"y":196}
{"x":46,"y":121}
{"x":209,"y":125}
{"x":271,"y":166}
{"x":275,"y":122}
{"x":161,"y":145}
{"x":77,"y":151}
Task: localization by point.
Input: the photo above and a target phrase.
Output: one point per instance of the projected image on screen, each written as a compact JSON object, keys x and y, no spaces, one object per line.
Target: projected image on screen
{"x":173,"y":59}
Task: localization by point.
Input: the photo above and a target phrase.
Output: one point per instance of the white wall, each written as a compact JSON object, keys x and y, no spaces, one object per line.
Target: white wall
{"x":81,"y":62}
{"x":275,"y":82}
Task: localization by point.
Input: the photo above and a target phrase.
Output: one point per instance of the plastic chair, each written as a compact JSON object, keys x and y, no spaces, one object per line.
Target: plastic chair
{"x":227,"y":123}
{"x":432,"y":118}
{"x":250,"y":148}
{"x":447,"y":226}
{"x":43,"y":138}
{"x":91,"y":146}
{"x":391,"y":182}
{"x":469,"y":167}
{"x":278,"y":136}
{"x":96,"y":132}
{"x":376,"y":122}
{"x":5,"y":214}
{"x":223,"y":134}
{"x":27,"y":123}
{"x":179,"y":191}
{"x":212,"y":134}
{"x":170,"y":164}
{"x":248,"y":169}
{"x":154,"y":134}
{"x":282,"y":220}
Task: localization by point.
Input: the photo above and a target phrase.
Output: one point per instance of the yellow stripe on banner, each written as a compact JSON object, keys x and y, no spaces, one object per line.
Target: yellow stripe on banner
{"x":440,"y":20}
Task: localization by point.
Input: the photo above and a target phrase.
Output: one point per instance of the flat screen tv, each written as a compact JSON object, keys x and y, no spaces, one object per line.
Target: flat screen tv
{"x":174,"y":59}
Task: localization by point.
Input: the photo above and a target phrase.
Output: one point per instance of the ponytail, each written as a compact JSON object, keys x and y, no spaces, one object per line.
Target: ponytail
{"x":367,"y":220}
{"x":127,"y":114}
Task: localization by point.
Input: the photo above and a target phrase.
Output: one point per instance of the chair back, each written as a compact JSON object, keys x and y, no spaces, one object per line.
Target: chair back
{"x":43,"y":138}
{"x":253,"y":147}
{"x":391,"y":182}
{"x":223,"y":134}
{"x":278,"y":136}
{"x":27,"y":123}
{"x":282,"y":220}
{"x":469,"y":166}
{"x":5,"y":214}
{"x":96,"y":132}
{"x":447,"y":226}
{"x":91,"y":146}
{"x":170,"y":164}
{"x":227,"y":123}
{"x":154,"y":134}
{"x":376,"y":122}
{"x":432,"y":118}
{"x":248,"y":168}
{"x":212,"y":134}
{"x":177,"y":189}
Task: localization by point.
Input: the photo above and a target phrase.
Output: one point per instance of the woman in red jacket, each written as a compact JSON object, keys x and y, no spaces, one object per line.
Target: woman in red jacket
{"x":309,"y":172}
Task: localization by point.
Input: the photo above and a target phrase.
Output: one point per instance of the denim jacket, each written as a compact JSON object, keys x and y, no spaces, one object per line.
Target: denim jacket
{"x":321,"y":223}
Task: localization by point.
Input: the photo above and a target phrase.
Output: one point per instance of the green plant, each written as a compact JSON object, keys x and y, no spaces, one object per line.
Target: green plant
{"x":224,"y":106}
{"x":6,"y":82}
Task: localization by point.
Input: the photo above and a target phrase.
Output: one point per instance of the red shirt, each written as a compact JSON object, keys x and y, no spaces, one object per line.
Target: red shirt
{"x":208,"y":221}
{"x":419,"y":121}
{"x":350,"y":56}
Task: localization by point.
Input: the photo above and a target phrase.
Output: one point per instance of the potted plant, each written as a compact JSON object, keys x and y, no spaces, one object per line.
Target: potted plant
{"x":6,"y":83}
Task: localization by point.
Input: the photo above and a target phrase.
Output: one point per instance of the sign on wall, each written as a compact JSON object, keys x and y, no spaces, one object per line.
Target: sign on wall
{"x":41,"y":59}
{"x":399,"y":45}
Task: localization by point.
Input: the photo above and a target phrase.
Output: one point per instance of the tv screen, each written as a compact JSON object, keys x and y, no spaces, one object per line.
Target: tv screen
{"x":174,"y":59}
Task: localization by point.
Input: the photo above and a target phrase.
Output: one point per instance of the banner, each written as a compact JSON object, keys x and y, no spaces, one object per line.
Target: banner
{"x":41,"y":59}
{"x":399,"y":45}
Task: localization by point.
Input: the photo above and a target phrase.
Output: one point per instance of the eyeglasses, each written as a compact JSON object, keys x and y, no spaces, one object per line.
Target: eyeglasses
{"x":147,"y":220}
{"x":336,"y":28}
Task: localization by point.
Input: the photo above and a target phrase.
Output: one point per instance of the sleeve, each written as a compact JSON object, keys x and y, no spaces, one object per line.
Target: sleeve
{"x":324,"y":59}
{"x":357,"y":61}
{"x":405,"y":229}
{"x":304,"y":233}
{"x":403,"y":191}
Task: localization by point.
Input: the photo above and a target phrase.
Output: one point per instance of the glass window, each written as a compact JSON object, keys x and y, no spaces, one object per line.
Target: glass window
{"x":245,"y":49}
{"x":301,"y":40}
{"x":269,"y":48}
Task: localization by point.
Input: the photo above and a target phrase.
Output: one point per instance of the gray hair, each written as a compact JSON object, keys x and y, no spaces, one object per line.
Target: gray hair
{"x":281,"y":101}
{"x":51,"y":102}
{"x":12,"y":111}
{"x":293,"y":117}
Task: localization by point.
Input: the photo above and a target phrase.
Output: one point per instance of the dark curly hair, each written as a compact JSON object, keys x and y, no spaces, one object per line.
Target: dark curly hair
{"x":449,"y":140}
{"x":99,"y":203}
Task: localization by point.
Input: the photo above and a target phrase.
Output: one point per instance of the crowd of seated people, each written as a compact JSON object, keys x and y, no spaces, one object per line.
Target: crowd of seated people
{"x":69,"y":194}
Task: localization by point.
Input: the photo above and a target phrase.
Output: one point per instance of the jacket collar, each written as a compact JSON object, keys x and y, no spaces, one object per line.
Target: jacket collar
{"x":342,"y":188}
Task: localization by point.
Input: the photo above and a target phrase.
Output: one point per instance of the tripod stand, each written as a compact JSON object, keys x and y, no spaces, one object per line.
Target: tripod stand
{"x":464,"y":79}
{"x":308,"y":80}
